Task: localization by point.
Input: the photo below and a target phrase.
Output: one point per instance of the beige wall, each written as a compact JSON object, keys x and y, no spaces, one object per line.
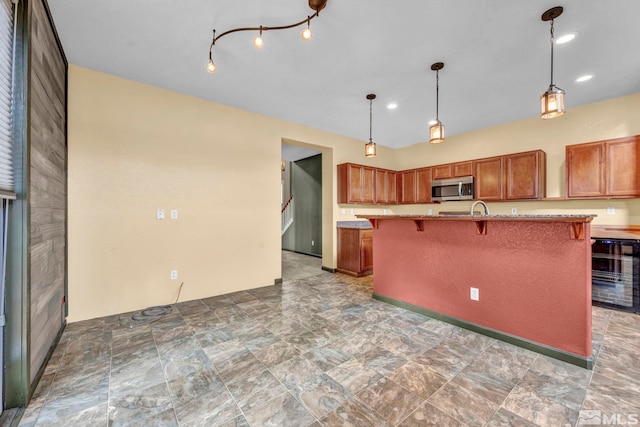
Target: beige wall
{"x":134,"y":148}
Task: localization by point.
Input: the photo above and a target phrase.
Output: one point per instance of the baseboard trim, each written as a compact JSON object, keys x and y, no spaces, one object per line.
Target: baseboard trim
{"x":277,"y":281}
{"x":329,"y":269}
{"x":574,"y":359}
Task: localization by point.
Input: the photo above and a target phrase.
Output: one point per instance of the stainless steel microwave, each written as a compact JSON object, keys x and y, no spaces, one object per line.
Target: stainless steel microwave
{"x":452,"y":189}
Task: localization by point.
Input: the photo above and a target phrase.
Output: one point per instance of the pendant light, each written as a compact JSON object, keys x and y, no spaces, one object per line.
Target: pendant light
{"x":552,"y":101}
{"x":370,"y":147}
{"x":436,"y":131}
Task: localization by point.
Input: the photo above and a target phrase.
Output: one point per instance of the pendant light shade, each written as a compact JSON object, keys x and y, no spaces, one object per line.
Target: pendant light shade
{"x":436,"y":131}
{"x":370,"y":147}
{"x":552,"y":101}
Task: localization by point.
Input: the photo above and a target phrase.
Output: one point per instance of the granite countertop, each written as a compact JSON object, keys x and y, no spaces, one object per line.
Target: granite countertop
{"x":353,"y":224}
{"x":541,"y":218}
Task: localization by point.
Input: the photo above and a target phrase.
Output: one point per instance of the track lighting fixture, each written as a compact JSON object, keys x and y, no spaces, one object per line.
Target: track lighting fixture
{"x":552,"y":101}
{"x":258,"y":41}
{"x":370,"y":147}
{"x":436,"y":131}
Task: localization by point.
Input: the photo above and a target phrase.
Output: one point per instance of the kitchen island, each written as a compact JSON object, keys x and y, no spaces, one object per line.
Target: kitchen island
{"x":532,"y":274}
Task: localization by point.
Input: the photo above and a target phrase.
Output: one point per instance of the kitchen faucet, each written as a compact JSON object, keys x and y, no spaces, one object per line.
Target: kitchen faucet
{"x":486,"y":208}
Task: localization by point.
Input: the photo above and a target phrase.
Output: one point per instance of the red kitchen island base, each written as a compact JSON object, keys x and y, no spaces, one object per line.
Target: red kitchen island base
{"x":532,"y":273}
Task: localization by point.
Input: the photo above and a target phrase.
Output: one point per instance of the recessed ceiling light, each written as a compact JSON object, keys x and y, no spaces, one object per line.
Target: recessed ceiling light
{"x":584,"y":78}
{"x":566,"y":38}
{"x":392,"y":106}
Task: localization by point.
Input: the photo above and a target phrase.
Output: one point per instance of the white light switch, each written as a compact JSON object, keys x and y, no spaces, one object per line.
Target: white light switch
{"x":174,"y":214}
{"x":611,"y":210}
{"x":174,"y":274}
{"x":475,"y":294}
{"x":160,"y":214}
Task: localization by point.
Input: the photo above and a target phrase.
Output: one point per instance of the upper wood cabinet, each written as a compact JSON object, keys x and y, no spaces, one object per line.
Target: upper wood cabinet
{"x":356,"y":183}
{"x":407,"y":187}
{"x":585,"y":170}
{"x":386,"y":187}
{"x":423,"y":185}
{"x":608,"y":168}
{"x":488,"y":179}
{"x":452,"y":170}
{"x":623,"y":167}
{"x":525,"y":175}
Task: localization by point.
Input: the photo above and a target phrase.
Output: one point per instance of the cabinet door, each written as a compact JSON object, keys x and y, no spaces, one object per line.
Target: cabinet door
{"x":623,"y":167}
{"x":441,"y":171}
{"x":462,"y":169}
{"x":488,"y":179}
{"x":366,"y":251}
{"x":348,"y":250}
{"x":368,"y":184}
{"x":381,"y":186}
{"x":386,"y":186}
{"x":392,"y":187}
{"x":585,"y":170}
{"x":423,"y":185}
{"x":407,"y":187}
{"x":354,"y":183}
{"x":525,"y":175}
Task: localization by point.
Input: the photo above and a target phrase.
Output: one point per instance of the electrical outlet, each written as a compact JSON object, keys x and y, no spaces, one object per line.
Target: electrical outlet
{"x":174,"y":214}
{"x":313,"y":243}
{"x":384,"y":212}
{"x":475,"y":294}
{"x":514,"y":211}
{"x":351,"y":211}
{"x":343,"y":211}
{"x":159,"y":213}
{"x":430,"y":212}
{"x":174,"y":274}
{"x":611,"y":210}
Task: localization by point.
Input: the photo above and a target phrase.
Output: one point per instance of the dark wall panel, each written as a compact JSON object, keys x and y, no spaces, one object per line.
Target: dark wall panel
{"x":47,"y":185}
{"x":306,"y":187}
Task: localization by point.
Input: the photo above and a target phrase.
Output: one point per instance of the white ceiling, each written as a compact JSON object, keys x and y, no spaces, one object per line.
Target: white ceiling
{"x":496,"y":55}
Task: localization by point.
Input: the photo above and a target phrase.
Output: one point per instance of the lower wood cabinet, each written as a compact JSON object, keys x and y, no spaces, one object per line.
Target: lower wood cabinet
{"x":355,"y":251}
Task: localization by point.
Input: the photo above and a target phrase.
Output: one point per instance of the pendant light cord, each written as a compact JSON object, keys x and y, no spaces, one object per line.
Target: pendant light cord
{"x":552,"y":43}
{"x":437,"y":94}
{"x":370,"y":119}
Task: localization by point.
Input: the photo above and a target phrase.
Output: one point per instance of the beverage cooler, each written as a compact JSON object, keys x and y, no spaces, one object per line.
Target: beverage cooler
{"x":616,"y":274}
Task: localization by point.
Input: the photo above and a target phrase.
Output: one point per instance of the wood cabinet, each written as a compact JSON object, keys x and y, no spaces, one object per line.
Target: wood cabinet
{"x":608,"y":168}
{"x":442,"y":171}
{"x":355,"y":251}
{"x":623,"y":167}
{"x":585,"y":170}
{"x":386,"y":187}
{"x":489,"y":178}
{"x":423,"y":185}
{"x":525,"y":175}
{"x":519,"y":176}
{"x":407,"y":187}
{"x":356,"y":183}
{"x":452,"y":170}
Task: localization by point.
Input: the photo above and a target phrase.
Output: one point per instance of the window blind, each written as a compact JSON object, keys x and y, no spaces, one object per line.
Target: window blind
{"x":6,"y":66}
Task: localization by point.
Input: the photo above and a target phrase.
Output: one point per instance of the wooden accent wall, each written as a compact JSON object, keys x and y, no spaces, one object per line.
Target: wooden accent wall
{"x":47,"y":184}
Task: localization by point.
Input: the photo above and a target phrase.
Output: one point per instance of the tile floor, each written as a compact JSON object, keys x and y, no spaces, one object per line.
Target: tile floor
{"x":317,"y":350}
